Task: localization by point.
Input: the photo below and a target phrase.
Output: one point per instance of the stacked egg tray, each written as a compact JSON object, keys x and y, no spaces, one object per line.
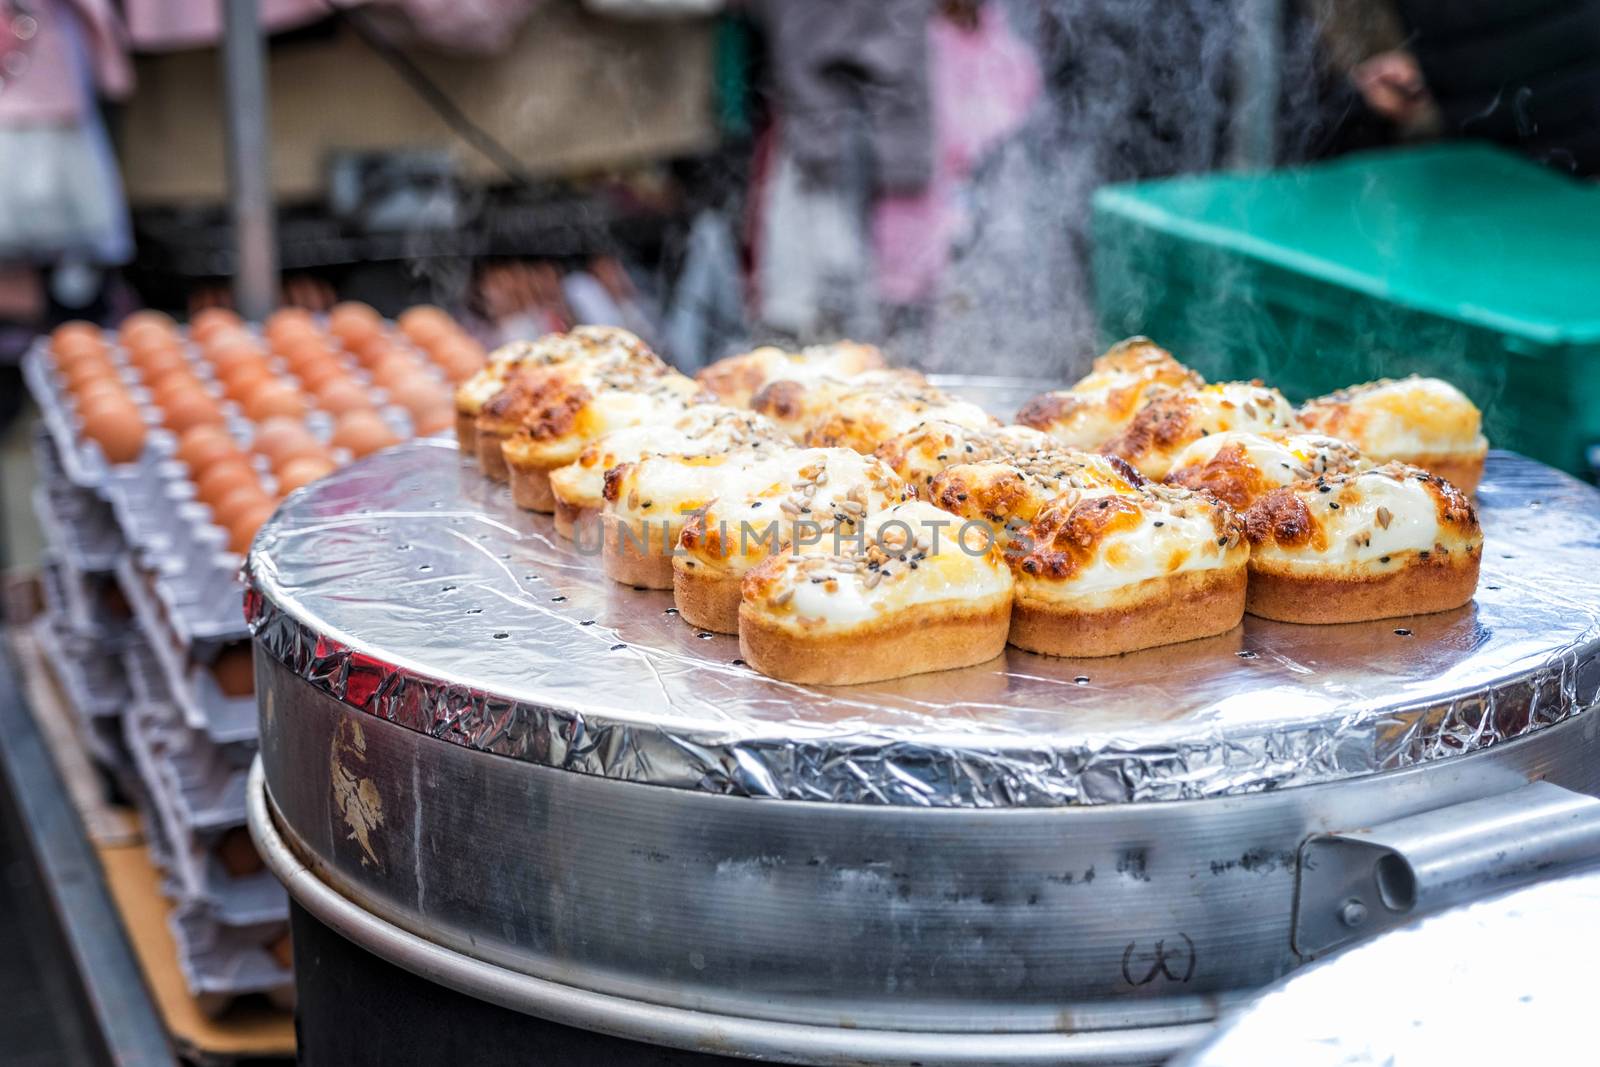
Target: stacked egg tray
{"x":144,"y":623}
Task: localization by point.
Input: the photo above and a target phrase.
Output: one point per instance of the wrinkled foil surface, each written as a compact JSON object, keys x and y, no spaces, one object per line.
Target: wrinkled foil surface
{"x":1500,"y":981}
{"x":408,"y":586}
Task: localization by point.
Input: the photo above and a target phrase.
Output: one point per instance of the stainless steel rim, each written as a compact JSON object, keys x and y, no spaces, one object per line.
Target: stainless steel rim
{"x":675,"y":1027}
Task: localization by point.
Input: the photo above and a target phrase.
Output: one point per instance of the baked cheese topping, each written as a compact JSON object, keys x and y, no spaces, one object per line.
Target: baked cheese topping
{"x":556,"y":428}
{"x":1409,"y":418}
{"x":864,"y":411}
{"x":1172,"y":421}
{"x":1009,"y":493}
{"x":1102,"y":403}
{"x":582,"y":343}
{"x":911,"y":555}
{"x":930,"y":447}
{"x":703,"y":430}
{"x":1238,"y":467}
{"x":808,"y":498}
{"x":736,"y":379}
{"x":1087,"y":546}
{"x":1362,"y":523}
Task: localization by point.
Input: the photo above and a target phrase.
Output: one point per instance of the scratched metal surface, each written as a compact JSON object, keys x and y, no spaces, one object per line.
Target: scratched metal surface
{"x":410,"y":587}
{"x":1521,"y":964}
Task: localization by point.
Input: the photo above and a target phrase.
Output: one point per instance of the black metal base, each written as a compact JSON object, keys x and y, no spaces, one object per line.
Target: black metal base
{"x":355,"y":1009}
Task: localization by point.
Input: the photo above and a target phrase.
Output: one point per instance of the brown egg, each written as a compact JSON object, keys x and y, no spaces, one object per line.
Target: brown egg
{"x":315,"y":374}
{"x":459,"y":358}
{"x":116,"y":428}
{"x":353,"y":322}
{"x":419,"y":392}
{"x":289,"y":322}
{"x":425,"y":323}
{"x":342,"y":395}
{"x":69,"y":347}
{"x":155,"y":363}
{"x":434,"y":419}
{"x":309,"y":448}
{"x":75,"y":332}
{"x":179,"y":381}
{"x":244,"y":380}
{"x":395,"y":367}
{"x":210,"y":322}
{"x":146,"y":323}
{"x":235,"y":675}
{"x":301,"y":350}
{"x":303,"y":471}
{"x":222,"y":478}
{"x":362,"y":432}
{"x":242,"y":530}
{"x":236,"y":502}
{"x":201,"y":446}
{"x":274,"y":399}
{"x":187,"y":408}
{"x":278,"y":437}
{"x":98,"y":390}
{"x":87,"y":371}
{"x":230,"y":350}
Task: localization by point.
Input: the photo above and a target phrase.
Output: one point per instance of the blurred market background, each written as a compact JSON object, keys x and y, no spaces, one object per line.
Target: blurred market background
{"x":1313,"y":191}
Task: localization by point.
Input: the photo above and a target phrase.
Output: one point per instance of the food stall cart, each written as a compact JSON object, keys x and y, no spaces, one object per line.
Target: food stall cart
{"x":487,"y":766}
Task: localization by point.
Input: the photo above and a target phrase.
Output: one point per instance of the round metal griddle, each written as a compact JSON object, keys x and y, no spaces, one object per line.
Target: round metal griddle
{"x":473,"y":741}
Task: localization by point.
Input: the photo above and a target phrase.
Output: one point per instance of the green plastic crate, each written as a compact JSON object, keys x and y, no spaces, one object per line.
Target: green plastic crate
{"x":1460,"y":261}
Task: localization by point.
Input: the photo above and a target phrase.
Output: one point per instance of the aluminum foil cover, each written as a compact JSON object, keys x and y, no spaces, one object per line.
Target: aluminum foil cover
{"x":1501,"y":981}
{"x":408,"y":586}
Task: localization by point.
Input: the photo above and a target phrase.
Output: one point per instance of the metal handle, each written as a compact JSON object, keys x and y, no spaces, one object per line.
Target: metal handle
{"x":1358,"y":883}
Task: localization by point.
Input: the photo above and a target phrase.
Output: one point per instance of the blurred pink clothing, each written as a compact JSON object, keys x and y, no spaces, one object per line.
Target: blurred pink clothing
{"x":52,"y":89}
{"x":983,"y":84}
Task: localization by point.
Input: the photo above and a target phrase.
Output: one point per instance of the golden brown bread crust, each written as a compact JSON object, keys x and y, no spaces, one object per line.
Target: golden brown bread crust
{"x":491,"y":460}
{"x":934,"y":638}
{"x":1182,"y":607}
{"x":530,"y":489}
{"x":1419,"y":587}
{"x":467,"y":434}
{"x":635,"y":557}
{"x":570,"y":518}
{"x":705,"y":598}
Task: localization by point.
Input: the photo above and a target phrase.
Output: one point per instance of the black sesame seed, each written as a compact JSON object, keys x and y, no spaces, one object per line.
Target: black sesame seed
{"x":1159,"y":523}
{"x":1324,"y":488}
{"x":757,"y":504}
{"x":1082,"y":679}
{"x":501,"y":636}
{"x":670,"y":611}
{"x":618,"y":648}
{"x":474,"y":611}
{"x":1401,"y":631}
{"x":704,"y":636}
{"x":1334,"y":504}
{"x":1383,"y":559}
{"x":587,"y":622}
{"x":557,"y":599}
{"x":1423,"y":554}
